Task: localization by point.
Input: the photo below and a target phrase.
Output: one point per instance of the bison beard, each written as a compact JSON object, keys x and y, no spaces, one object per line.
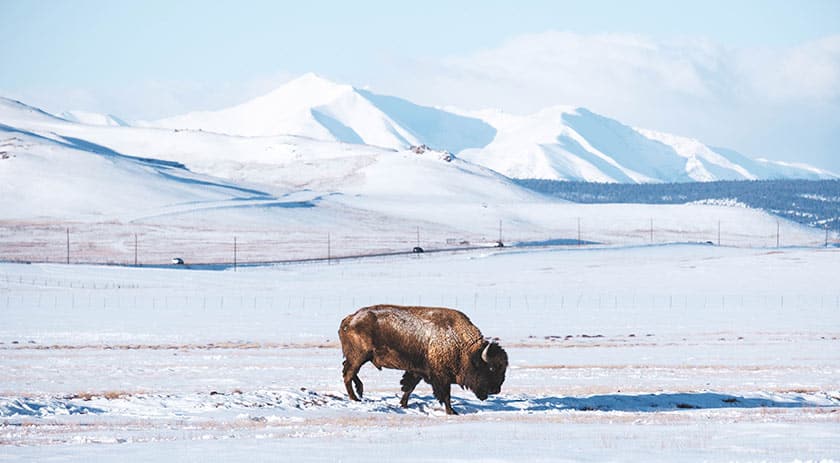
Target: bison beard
{"x":437,"y":345}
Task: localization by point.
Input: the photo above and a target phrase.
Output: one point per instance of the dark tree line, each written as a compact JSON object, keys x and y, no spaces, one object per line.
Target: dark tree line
{"x":814,"y":203}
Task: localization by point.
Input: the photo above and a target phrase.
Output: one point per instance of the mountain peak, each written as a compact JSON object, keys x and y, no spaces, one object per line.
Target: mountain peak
{"x":312,"y":82}
{"x":314,"y":77}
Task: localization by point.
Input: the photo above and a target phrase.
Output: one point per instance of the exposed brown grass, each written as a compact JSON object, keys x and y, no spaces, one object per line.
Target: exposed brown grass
{"x":109,"y":395}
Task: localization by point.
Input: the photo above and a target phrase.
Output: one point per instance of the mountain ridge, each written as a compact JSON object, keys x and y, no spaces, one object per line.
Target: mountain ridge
{"x":555,"y":143}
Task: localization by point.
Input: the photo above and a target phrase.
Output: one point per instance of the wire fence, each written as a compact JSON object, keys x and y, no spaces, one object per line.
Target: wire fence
{"x":128,"y":244}
{"x":127,"y":314}
{"x":46,"y":292}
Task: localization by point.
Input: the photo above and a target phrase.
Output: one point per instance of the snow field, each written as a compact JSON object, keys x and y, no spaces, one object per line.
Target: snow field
{"x":613,"y":357}
{"x":339,"y":227}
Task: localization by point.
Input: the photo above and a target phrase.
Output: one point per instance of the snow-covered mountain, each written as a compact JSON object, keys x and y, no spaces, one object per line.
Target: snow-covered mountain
{"x":56,"y":171}
{"x":315,"y":107}
{"x":561,"y":143}
{"x":566,"y":143}
{"x":317,"y":136}
{"x":56,"y":168}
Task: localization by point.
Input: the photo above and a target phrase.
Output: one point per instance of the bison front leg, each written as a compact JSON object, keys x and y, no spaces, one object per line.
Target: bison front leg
{"x":409,"y":382}
{"x":442,"y":393}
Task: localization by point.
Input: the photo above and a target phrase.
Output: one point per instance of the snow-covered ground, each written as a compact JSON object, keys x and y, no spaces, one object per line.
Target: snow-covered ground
{"x":663,"y":353}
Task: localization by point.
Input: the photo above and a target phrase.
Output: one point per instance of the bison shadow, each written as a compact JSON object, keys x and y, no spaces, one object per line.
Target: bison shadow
{"x":618,"y":403}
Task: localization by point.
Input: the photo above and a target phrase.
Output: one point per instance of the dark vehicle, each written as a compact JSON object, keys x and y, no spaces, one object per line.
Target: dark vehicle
{"x":417,"y":250}
{"x":438,"y":345}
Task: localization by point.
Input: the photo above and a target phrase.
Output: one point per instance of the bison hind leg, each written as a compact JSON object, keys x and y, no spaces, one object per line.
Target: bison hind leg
{"x":351,"y":374}
{"x":409,"y":381}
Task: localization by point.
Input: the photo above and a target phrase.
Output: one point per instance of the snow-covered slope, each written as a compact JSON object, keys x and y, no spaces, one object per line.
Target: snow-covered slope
{"x":56,"y":168}
{"x":315,"y":107}
{"x":564,"y":143}
{"x":561,"y":143}
{"x":707,"y":163}
{"x":49,"y":175}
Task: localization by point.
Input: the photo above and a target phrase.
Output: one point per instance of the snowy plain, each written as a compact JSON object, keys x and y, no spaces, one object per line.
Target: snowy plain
{"x":661,"y":353}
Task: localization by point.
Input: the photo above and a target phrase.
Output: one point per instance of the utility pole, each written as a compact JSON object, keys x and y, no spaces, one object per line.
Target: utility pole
{"x":418,"y":236}
{"x":777,"y":233}
{"x":718,"y":232}
{"x":68,"y":245}
{"x":135,"y":249}
{"x":579,"y":241}
{"x":500,"y":232}
{"x":234,"y":253}
{"x":329,"y":251}
{"x":826,"y":235}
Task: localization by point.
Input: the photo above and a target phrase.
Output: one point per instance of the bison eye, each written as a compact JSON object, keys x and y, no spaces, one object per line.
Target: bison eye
{"x":492,"y":369}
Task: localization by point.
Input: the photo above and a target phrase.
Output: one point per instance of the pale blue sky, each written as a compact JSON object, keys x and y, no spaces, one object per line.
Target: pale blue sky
{"x":148,"y":59}
{"x":102,"y":42}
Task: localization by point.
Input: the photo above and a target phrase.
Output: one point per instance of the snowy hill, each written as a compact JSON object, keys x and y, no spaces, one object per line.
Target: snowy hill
{"x":564,"y":143}
{"x":557,"y":143}
{"x":315,"y":107}
{"x":706,"y":163}
{"x":68,"y":177}
{"x":56,"y":168}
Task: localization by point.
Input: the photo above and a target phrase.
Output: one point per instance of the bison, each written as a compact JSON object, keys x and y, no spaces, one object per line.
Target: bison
{"x":438,"y":345}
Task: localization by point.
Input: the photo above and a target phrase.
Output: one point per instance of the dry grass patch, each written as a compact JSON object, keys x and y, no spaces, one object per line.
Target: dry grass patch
{"x":109,"y":395}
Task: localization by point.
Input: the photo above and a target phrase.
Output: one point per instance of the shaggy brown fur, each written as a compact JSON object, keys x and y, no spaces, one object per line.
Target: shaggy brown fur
{"x":438,"y":345}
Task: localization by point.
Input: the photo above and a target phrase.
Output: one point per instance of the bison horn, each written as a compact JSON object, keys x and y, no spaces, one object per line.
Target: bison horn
{"x":484,"y":353}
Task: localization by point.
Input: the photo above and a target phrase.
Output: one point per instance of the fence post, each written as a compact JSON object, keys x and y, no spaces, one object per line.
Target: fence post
{"x":651,"y":230}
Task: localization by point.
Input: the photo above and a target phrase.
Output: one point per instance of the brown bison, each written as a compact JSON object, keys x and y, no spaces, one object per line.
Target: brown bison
{"x":440,"y":346}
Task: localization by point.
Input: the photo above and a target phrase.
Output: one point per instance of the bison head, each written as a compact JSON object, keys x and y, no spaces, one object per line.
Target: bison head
{"x":487,"y":370}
